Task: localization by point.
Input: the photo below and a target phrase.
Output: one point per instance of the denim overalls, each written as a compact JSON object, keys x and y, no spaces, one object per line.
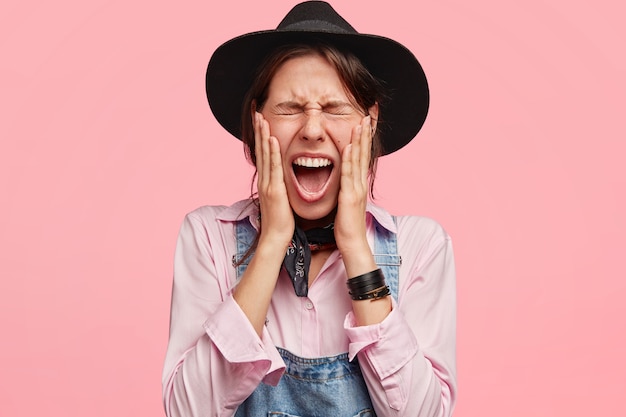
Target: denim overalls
{"x":317,"y":387}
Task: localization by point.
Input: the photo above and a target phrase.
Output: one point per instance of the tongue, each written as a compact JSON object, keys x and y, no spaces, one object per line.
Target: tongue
{"x":312,"y":179}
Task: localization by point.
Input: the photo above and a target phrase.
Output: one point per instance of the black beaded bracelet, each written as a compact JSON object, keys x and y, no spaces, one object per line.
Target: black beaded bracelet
{"x":370,"y":285}
{"x":372,"y":295}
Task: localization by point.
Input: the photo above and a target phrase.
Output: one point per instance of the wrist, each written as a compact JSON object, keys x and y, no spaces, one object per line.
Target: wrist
{"x":358,"y":261}
{"x":276,"y":239}
{"x":271,"y":249}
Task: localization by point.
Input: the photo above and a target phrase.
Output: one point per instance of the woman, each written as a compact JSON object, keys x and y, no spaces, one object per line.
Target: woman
{"x":308,"y":300}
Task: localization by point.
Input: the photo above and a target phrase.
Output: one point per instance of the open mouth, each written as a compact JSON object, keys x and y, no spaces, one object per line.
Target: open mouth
{"x":312,"y":174}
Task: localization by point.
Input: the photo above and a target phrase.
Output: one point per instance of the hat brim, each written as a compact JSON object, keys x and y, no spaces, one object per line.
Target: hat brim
{"x":233,"y":65}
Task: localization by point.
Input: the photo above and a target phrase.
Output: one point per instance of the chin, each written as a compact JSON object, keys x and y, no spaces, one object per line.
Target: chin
{"x":312,"y":213}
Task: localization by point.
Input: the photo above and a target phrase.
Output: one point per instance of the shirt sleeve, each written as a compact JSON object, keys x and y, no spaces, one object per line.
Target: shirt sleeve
{"x":409,"y":359}
{"x":214,"y":359}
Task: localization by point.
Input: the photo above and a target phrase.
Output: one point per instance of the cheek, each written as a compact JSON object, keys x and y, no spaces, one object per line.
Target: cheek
{"x":341,"y":144}
{"x":283,"y":132}
{"x":342,"y":138}
{"x":283,"y":139}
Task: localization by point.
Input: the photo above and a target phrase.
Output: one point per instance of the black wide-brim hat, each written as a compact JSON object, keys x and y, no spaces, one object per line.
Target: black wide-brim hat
{"x":234,"y":64}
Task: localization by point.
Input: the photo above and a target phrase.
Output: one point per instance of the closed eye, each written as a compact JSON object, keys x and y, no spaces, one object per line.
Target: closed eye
{"x":288,"y":109}
{"x":338,"y":109}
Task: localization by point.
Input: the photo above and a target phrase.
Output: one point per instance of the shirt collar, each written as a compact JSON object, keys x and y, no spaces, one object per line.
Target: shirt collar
{"x":382,"y":217}
{"x":240,"y":210}
{"x":247,"y":208}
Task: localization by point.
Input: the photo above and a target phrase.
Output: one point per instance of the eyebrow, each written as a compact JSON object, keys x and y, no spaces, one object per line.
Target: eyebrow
{"x":290,"y":104}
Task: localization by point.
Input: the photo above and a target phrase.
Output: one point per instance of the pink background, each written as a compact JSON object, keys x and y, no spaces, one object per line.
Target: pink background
{"x":107,"y":141}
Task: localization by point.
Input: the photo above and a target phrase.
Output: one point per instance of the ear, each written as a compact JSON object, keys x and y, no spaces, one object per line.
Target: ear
{"x":373,"y":112}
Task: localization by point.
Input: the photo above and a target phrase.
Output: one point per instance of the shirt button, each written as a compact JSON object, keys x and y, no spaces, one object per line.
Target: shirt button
{"x":308,"y":305}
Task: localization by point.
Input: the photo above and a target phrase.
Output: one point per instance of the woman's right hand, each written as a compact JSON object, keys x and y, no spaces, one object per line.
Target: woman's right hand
{"x":277,"y":221}
{"x":255,"y":289}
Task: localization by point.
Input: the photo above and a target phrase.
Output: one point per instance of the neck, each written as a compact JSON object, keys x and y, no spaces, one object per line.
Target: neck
{"x":306,"y":224}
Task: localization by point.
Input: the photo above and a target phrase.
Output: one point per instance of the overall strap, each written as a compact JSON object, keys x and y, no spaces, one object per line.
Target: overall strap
{"x":386,"y":256}
{"x":245,"y":234}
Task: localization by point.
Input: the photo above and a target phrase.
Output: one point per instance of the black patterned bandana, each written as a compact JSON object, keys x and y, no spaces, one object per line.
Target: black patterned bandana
{"x":298,"y":257}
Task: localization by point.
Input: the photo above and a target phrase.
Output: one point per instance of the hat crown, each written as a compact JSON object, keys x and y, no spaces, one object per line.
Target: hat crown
{"x":316,"y":16}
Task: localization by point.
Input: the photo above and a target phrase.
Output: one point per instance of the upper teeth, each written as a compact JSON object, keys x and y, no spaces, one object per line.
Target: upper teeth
{"x":312,"y":162}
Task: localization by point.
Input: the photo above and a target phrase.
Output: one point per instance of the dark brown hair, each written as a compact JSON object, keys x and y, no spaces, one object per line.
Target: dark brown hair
{"x":363,"y":88}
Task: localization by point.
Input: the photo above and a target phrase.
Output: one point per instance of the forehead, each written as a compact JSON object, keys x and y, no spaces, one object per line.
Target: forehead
{"x":310,"y":76}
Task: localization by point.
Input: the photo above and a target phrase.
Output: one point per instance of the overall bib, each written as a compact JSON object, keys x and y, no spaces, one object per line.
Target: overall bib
{"x":317,"y":387}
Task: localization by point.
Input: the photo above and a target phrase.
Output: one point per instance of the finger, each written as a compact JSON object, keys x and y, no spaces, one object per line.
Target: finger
{"x":262,"y":146}
{"x":366,"y":147}
{"x":276,"y":163}
{"x":265,"y":139}
{"x":356,"y":154}
{"x":257,"y":136}
{"x":346,"y":168}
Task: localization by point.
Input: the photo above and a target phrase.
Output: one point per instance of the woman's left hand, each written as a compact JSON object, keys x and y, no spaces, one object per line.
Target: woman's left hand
{"x":350,"y":228}
{"x":350,"y":221}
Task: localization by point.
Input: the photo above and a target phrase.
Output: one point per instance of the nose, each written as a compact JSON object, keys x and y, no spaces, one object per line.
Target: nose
{"x":313,"y":128}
